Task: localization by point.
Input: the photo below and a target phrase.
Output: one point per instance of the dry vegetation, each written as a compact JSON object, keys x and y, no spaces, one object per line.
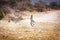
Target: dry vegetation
{"x":29,"y":34}
{"x":22,"y":31}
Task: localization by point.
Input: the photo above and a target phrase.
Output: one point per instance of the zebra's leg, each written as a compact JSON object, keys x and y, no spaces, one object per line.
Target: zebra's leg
{"x":31,"y":23}
{"x":9,"y":19}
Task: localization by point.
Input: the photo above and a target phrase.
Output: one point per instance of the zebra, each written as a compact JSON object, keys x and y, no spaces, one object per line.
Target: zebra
{"x":32,"y":21}
{"x":15,"y":19}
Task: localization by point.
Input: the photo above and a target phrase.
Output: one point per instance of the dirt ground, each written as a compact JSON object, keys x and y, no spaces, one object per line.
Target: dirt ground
{"x":46,"y":27}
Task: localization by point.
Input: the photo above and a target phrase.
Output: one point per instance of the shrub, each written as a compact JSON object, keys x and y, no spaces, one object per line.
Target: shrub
{"x":1,"y":14}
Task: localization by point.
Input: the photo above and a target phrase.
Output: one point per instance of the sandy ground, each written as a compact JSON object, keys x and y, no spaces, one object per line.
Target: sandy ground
{"x":46,"y":27}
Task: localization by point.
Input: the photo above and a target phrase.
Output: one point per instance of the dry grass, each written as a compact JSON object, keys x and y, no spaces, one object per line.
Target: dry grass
{"x":29,"y":34}
{"x":52,"y":32}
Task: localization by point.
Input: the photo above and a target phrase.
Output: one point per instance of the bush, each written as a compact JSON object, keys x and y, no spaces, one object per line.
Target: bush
{"x":1,"y":15}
